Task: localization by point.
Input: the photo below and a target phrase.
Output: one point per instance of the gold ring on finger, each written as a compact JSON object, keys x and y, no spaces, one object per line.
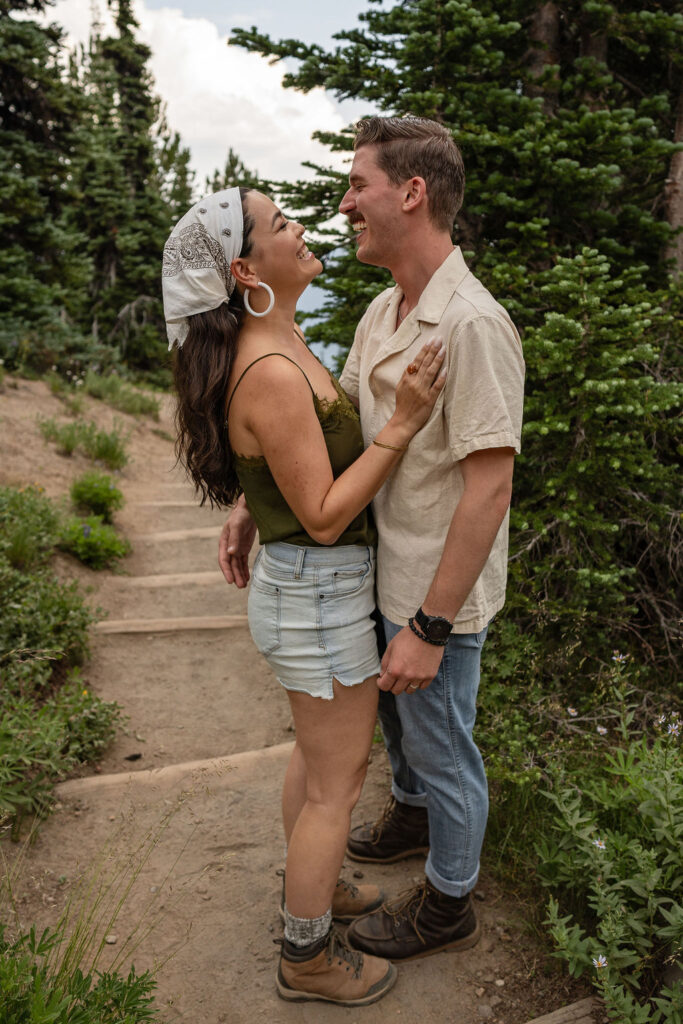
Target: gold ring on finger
{"x":411,"y":369}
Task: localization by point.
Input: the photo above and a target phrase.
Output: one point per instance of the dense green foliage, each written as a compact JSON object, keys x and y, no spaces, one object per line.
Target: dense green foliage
{"x":91,"y":180}
{"x":50,"y":721}
{"x":33,"y":993}
{"x":97,"y":493}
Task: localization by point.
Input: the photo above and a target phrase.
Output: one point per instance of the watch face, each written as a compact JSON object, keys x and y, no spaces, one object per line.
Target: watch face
{"x":438,"y":629}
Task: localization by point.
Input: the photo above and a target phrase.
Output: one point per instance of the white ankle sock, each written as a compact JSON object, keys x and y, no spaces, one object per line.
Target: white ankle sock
{"x":302,"y":931}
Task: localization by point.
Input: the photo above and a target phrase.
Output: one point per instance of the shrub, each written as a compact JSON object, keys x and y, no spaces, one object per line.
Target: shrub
{"x":32,"y":991}
{"x":28,"y":526}
{"x":117,"y":393}
{"x":93,"y":542}
{"x":66,"y":436}
{"x":107,"y":447}
{"x":97,"y":493}
{"x":615,"y":854}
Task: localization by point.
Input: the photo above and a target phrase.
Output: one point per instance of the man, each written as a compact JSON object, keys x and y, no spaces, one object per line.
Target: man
{"x":442,"y":519}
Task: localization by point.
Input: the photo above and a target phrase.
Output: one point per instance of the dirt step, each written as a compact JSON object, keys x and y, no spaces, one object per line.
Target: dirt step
{"x":173,"y":551}
{"x":187,"y":695}
{"x":151,"y":516}
{"x":170,"y":595}
{"x":197,"y":622}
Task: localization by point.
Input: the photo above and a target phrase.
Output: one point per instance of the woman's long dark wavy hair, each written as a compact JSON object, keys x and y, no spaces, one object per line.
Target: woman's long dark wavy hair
{"x":201,"y":370}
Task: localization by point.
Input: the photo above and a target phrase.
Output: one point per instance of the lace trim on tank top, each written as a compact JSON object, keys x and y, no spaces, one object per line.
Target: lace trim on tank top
{"x":329,"y":411}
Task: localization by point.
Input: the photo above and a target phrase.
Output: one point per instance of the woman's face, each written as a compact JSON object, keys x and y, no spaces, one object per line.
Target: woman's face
{"x":279,"y":254}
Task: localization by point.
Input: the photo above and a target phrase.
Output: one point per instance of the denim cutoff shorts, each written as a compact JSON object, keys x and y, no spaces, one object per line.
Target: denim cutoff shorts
{"x":309,"y":615}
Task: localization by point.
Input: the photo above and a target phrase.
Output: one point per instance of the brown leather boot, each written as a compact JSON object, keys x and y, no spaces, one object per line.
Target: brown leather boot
{"x":402,"y":831}
{"x":332,"y":972}
{"x":348,"y":901}
{"x":417,"y":923}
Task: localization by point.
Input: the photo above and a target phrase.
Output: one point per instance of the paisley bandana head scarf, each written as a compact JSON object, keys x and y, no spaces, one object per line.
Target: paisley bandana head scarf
{"x":196,"y":273}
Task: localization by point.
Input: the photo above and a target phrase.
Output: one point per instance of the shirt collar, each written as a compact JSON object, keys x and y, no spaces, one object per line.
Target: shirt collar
{"x":440,"y":288}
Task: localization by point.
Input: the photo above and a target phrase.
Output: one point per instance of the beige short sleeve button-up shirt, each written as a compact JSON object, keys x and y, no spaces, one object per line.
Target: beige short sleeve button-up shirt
{"x":480,"y":407}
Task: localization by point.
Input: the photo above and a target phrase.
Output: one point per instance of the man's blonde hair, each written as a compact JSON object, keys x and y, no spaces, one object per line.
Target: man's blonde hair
{"x":410,"y":147}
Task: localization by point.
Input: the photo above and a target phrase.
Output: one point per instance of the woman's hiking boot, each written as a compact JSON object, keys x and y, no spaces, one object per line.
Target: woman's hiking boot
{"x":348,"y":901}
{"x":401,"y":831}
{"x":417,"y":923}
{"x":328,"y":970}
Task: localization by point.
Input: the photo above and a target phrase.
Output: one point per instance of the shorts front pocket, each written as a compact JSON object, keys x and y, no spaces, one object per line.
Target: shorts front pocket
{"x":348,"y":581}
{"x":264,"y":616}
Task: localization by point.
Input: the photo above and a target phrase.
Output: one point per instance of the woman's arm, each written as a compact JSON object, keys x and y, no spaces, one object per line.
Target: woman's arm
{"x":288,"y":431}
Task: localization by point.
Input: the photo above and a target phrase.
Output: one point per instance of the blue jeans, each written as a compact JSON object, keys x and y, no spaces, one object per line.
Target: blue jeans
{"x":436,"y":764}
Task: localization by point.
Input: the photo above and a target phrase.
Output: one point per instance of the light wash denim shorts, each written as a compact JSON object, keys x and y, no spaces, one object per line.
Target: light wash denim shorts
{"x":309,"y":615}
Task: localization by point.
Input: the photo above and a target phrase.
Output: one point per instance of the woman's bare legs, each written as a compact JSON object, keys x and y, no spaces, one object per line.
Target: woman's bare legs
{"x":323,"y":783}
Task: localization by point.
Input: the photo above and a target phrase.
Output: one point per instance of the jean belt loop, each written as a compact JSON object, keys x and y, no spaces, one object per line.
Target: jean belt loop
{"x":299,"y":567}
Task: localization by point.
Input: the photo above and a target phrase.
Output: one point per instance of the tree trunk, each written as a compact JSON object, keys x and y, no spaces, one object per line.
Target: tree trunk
{"x":673,"y":193}
{"x":544,"y":33}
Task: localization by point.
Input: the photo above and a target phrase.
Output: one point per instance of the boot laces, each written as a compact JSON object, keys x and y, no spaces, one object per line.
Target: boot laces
{"x":337,"y":948}
{"x":386,"y":814}
{"x":348,"y":887}
{"x":407,"y":906}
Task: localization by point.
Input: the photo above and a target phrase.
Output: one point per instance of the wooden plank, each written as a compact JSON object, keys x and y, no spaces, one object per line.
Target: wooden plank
{"x":175,"y":535}
{"x":577,"y":1013}
{"x":172,"y":579}
{"x":121,"y":626}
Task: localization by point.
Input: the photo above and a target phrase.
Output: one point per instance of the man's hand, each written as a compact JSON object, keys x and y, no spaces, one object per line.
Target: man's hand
{"x":409,"y":664}
{"x":236,"y":541}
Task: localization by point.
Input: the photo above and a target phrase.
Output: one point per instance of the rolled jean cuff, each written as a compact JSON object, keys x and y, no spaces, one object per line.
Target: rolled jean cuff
{"x":458,"y":889}
{"x":412,"y":799}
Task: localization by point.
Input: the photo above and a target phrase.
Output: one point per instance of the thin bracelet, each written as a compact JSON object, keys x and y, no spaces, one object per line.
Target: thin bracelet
{"x":391,"y":447}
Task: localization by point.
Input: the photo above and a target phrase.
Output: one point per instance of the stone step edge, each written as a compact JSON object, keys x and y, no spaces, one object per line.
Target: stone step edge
{"x":121,"y":626}
{"x":172,"y":773}
{"x":576,"y":1013}
{"x":174,"y":579}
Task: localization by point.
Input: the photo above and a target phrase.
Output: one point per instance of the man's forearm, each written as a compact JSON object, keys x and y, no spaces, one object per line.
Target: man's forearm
{"x":473,"y":529}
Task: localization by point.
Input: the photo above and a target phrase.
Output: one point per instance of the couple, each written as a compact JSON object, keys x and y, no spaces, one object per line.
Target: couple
{"x":436,"y":371}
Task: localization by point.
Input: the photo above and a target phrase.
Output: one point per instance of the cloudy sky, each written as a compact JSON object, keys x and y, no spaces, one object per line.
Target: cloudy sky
{"x":218,"y":96}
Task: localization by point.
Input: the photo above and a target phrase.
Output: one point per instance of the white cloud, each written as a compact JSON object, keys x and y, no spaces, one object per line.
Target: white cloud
{"x":219,"y":97}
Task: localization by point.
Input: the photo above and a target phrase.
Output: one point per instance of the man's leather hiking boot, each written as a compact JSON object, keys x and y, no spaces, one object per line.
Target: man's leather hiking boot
{"x":400,"y":832}
{"x":348,"y":900}
{"x":334,"y":973}
{"x":417,"y":923}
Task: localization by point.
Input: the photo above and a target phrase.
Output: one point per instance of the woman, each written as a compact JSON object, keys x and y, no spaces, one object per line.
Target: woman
{"x":258,"y":413}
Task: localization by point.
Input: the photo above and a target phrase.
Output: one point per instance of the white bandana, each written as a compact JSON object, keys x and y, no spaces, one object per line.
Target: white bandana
{"x":196,"y":273}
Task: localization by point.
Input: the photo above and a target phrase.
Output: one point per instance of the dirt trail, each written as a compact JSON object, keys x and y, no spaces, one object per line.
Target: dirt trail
{"x":206,"y":745}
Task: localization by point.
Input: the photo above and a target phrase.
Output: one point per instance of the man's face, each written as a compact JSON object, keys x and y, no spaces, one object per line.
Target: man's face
{"x":373,"y":205}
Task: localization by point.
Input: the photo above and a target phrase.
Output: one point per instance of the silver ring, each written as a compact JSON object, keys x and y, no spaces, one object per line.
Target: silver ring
{"x":410,"y":686}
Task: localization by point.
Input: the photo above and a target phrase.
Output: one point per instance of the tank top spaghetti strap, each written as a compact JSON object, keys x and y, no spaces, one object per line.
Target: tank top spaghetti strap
{"x":253,"y":363}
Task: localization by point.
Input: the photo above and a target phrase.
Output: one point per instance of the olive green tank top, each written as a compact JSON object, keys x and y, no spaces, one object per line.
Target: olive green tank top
{"x":269,"y":510}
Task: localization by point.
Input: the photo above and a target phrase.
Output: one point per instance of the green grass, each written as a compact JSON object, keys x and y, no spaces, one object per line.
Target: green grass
{"x":104,"y":446}
{"x":120,"y":395}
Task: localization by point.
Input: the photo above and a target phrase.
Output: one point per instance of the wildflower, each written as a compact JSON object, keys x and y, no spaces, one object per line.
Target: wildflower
{"x":600,"y":843}
{"x":85,"y":693}
{"x":661,"y":720}
{"x":601,"y":729}
{"x":619,"y":657}
{"x":87,"y":530}
{"x":600,"y":962}
{"x":674,"y":729}
{"x":573,"y":712}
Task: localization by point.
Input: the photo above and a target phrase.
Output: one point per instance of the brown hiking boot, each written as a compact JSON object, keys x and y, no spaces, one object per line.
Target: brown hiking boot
{"x":333,"y":974}
{"x":401,"y":831}
{"x":419,"y":922}
{"x":348,"y":901}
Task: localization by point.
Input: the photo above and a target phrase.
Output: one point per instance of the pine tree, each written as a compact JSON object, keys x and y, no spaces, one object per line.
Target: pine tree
{"x":567,"y":120}
{"x":42,"y":266}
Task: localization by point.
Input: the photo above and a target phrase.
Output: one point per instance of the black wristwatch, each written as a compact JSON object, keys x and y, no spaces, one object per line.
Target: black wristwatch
{"x":435,"y":628}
